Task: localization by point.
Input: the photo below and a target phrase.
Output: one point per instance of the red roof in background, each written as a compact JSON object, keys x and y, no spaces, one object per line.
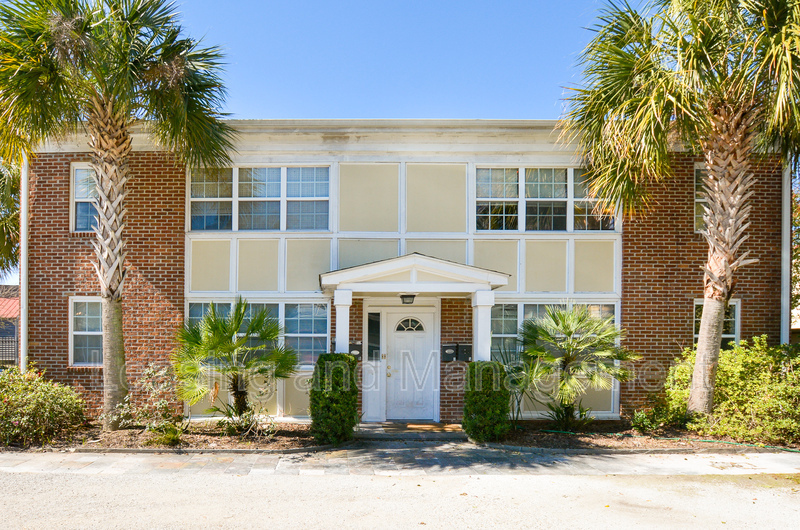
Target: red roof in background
{"x":9,"y":307}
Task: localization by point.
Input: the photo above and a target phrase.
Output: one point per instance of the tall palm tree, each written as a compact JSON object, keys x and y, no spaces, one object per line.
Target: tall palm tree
{"x":720,"y":77}
{"x":105,"y":67}
{"x":233,"y":345}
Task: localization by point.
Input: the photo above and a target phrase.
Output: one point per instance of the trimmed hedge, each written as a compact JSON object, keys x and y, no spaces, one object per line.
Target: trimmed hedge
{"x":334,"y":398}
{"x":487,"y":402}
{"x":34,"y":410}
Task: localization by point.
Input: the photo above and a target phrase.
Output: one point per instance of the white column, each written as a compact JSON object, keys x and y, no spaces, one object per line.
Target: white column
{"x":342,"y":300}
{"x":482,"y":303}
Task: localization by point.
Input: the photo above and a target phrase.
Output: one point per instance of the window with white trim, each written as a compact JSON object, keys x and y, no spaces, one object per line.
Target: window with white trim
{"x":306,"y":331}
{"x":212,"y":199}
{"x":700,"y":200}
{"x":549,"y":199}
{"x":84,"y":200}
{"x":266,"y":199}
{"x":730,"y":326}
{"x":86,"y":328}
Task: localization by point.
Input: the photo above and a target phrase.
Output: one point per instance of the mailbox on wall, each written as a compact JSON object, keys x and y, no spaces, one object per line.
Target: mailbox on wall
{"x":355,"y":348}
{"x":449,"y":352}
{"x":465,"y":352}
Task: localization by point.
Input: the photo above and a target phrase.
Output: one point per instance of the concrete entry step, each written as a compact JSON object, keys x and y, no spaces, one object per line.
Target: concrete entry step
{"x":418,"y":430}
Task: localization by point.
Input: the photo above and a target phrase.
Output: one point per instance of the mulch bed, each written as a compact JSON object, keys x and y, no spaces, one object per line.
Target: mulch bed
{"x":200,"y":435}
{"x":610,"y":435}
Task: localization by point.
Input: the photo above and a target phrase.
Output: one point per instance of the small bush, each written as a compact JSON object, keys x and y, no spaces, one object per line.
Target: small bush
{"x":569,"y":416}
{"x":756,"y":397}
{"x":334,"y":398}
{"x":168,"y":434}
{"x":34,"y":410}
{"x":154,"y":409}
{"x":487,"y":402}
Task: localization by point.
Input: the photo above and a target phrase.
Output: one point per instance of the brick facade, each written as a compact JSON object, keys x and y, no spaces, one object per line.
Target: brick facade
{"x":456,"y":328}
{"x":661,"y":274}
{"x":60,"y":267}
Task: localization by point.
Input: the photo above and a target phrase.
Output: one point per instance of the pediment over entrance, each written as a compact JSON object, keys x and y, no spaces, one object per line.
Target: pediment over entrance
{"x":413,"y":273}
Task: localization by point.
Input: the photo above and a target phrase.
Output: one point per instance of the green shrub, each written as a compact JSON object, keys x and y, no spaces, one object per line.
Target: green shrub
{"x":153,"y":409}
{"x":34,"y":410}
{"x":168,"y":434}
{"x":756,"y":397}
{"x":487,"y":402}
{"x":334,"y":398}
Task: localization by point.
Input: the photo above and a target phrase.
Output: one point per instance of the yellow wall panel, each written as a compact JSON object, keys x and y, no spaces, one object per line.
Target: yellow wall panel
{"x":306,"y":259}
{"x":500,"y":256}
{"x":368,"y":197}
{"x":594,"y":266}
{"x":211,"y":265}
{"x":449,"y":250}
{"x":546,"y":266}
{"x":354,"y":252}
{"x":258,"y":265}
{"x":436,"y":197}
{"x":295,"y":395}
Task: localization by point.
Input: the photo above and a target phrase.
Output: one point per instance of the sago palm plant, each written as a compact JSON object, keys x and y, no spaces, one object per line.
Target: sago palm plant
{"x":232,"y":347}
{"x":579,"y":351}
{"x":105,"y":67}
{"x":720,"y":78}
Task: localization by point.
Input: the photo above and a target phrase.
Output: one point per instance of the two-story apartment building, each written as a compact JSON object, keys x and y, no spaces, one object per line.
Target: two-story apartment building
{"x":420,"y":243}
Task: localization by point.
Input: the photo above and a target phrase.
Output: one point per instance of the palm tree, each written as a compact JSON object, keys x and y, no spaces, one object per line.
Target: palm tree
{"x":720,"y":77}
{"x":106,"y":67}
{"x":236,"y":346}
{"x":580,"y":350}
{"x":9,"y":218}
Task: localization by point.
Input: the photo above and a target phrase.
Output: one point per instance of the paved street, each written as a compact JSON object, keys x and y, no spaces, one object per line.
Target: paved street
{"x":397,"y":485}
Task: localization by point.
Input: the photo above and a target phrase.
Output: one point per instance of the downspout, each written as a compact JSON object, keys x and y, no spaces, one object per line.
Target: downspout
{"x":23,"y":265}
{"x":786,"y":255}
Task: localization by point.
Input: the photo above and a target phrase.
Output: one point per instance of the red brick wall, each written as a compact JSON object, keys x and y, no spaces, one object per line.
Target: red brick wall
{"x":661,"y":273}
{"x":60,"y":267}
{"x":456,"y":327}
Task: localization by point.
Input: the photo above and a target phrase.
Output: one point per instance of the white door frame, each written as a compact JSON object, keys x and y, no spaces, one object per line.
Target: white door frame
{"x":386,"y":306}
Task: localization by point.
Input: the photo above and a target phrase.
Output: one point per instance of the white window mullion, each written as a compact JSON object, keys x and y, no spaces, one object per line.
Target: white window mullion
{"x":235,"y":201}
{"x":284,"y":206}
{"x":522,"y":204}
{"x":570,"y":200}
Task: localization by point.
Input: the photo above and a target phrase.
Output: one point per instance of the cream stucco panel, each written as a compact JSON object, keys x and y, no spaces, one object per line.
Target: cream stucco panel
{"x":500,"y":256}
{"x":442,"y":249}
{"x":436,"y":197}
{"x":295,"y":395}
{"x":368,"y":197}
{"x":594,"y":266}
{"x":306,"y":259}
{"x":354,"y":252}
{"x":211,"y":265}
{"x":258,"y":265}
{"x":546,"y":266}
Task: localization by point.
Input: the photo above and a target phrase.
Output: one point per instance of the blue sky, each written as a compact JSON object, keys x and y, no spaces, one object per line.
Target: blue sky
{"x":507,"y":59}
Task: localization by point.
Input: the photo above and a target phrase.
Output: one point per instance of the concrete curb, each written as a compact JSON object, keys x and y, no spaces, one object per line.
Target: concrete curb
{"x":412,"y":437}
{"x":191,"y":450}
{"x":610,"y":451}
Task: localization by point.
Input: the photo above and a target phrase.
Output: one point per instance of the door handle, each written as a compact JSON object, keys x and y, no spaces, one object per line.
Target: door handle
{"x":388,"y":374}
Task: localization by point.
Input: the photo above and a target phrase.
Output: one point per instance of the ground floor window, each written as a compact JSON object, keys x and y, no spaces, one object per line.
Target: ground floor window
{"x":86,"y":331}
{"x":730,"y":326}
{"x":305,"y":325}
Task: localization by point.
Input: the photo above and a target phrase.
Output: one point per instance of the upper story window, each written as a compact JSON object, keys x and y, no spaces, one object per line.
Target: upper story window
{"x":548,"y":199}
{"x":730,"y":326}
{"x":84,"y":198}
{"x":86,"y":332}
{"x":265,"y":199}
{"x":700,"y":200}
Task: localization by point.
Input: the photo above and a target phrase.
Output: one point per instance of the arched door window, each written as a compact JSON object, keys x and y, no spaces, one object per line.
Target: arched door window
{"x":410,"y":324}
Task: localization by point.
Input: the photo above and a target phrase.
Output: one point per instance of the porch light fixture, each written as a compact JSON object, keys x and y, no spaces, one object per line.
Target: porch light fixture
{"x":407,"y":299}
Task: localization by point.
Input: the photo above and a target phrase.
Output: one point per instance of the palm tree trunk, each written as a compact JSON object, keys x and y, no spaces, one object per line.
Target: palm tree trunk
{"x":110,"y":142}
{"x":238,"y":390}
{"x":728,"y":149}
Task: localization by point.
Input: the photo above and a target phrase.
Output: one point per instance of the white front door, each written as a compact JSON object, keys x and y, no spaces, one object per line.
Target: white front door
{"x":411,"y":365}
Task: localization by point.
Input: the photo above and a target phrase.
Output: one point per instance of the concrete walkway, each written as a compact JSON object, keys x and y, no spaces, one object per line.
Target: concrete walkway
{"x":402,"y":459}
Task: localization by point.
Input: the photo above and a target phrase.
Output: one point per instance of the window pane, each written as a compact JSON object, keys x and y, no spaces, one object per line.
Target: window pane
{"x":728,"y":325}
{"x":580,"y":185}
{"x":253,"y":309}
{"x":85,"y":187}
{"x":545,"y":183}
{"x":87,"y":317}
{"x":85,"y":216}
{"x":699,"y":185}
{"x":587,"y":219}
{"x":260,"y":182}
{"x":504,"y":319}
{"x":197,"y":310}
{"x":87,"y":349}
{"x":503,"y":345}
{"x":497,"y":183}
{"x":308,"y":349}
{"x":496,"y":216}
{"x":306,"y":318}
{"x":212,"y":183}
{"x":261,"y":215}
{"x":307,"y":215}
{"x":212,"y":215}
{"x":546,"y":215}
{"x":599,"y":310}
{"x":374,"y":337}
{"x":307,"y":182}
{"x":537,"y":311}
